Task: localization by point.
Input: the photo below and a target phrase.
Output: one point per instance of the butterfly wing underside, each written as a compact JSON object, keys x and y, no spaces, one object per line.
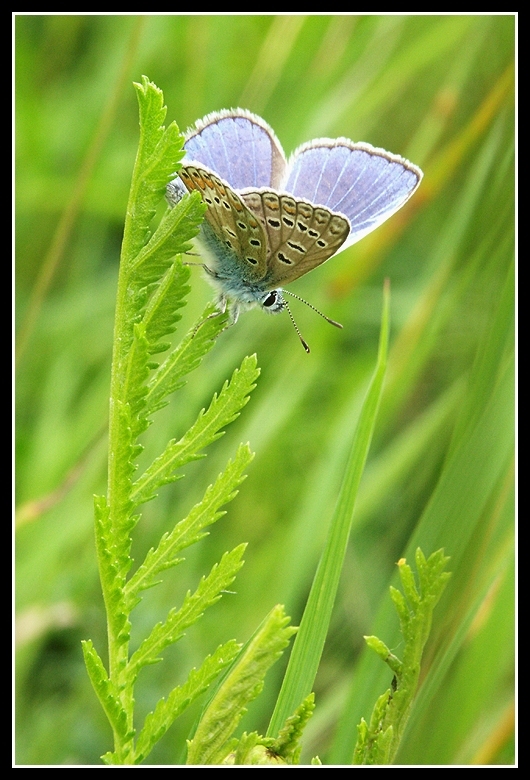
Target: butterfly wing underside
{"x":365,"y":184}
{"x":300,"y":236}
{"x":238,"y":231}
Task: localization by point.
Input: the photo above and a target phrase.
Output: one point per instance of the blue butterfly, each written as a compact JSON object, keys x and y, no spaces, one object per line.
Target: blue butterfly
{"x":269,"y":220}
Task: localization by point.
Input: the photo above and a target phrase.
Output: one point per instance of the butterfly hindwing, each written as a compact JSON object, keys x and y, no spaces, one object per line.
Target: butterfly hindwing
{"x":300,"y":235}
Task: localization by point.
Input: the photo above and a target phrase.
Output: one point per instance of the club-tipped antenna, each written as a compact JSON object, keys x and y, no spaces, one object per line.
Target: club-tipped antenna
{"x":297,"y":329}
{"x":328,"y":319}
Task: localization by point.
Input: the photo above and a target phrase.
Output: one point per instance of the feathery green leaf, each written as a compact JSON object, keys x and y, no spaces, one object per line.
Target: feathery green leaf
{"x":162,"y":312}
{"x":209,"y":591}
{"x":242,"y":683}
{"x":172,"y":237}
{"x":105,"y":689}
{"x":185,"y":358}
{"x":378,"y":742}
{"x":190,"y":530}
{"x":167,"y":710}
{"x":159,"y":151}
{"x":207,"y":428}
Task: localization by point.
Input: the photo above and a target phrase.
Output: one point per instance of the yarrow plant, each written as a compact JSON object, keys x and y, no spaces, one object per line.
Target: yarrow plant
{"x":151,"y":291}
{"x":152,"y":287}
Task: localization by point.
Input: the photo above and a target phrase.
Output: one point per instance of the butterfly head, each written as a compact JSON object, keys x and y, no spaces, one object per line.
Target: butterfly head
{"x":274,"y":302}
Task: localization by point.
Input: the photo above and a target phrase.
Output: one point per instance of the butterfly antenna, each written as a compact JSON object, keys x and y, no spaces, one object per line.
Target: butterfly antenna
{"x":328,"y":319}
{"x":297,"y":329}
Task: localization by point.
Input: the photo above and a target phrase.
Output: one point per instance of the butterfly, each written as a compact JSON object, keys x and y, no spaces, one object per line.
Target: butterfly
{"x":268,"y":220}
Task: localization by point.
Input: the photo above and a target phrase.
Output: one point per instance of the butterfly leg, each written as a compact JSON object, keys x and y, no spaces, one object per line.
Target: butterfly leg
{"x":222,"y":305}
{"x":203,"y":266}
{"x":234,"y":314}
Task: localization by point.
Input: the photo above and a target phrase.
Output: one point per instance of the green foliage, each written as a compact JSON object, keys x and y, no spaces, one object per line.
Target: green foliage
{"x":309,"y":643}
{"x":166,"y":711}
{"x":378,"y":742}
{"x":190,"y":530}
{"x":255,"y":750}
{"x":242,"y":683}
{"x":184,"y":359}
{"x":222,"y":410}
{"x":438,"y":89}
{"x":150,"y":294}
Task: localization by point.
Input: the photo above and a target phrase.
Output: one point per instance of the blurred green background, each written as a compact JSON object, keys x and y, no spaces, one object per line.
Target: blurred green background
{"x":435,"y":89}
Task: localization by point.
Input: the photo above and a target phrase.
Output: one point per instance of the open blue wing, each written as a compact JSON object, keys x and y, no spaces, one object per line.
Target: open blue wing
{"x":239,"y":147}
{"x":365,"y":184}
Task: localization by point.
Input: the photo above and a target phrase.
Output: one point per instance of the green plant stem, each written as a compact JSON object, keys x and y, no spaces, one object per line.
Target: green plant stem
{"x":118,"y":648}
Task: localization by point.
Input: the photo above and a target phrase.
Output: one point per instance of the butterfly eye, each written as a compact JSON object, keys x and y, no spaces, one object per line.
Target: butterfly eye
{"x":270,"y":300}
{"x":273,"y":301}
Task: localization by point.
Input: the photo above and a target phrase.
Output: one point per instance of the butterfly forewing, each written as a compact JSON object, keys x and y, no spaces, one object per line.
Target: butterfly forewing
{"x":232,"y":222}
{"x":300,"y":235}
{"x":240,"y":147}
{"x":365,"y":184}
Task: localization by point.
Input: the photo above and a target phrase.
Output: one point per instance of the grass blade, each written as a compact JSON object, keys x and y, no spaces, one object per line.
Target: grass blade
{"x":310,"y":639}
